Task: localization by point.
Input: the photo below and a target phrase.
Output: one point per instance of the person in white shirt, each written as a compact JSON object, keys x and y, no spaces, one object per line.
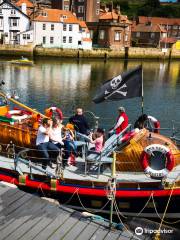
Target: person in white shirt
{"x":43,"y":144}
{"x":56,"y":133}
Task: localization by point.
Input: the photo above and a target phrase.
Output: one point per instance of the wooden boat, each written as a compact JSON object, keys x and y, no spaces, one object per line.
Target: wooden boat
{"x":138,"y":170}
{"x":23,"y":61}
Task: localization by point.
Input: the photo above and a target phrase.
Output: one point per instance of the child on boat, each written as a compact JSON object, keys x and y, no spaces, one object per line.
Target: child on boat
{"x":98,"y":141}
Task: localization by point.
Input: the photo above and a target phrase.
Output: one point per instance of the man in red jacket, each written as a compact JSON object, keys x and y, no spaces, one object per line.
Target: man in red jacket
{"x":121,"y":123}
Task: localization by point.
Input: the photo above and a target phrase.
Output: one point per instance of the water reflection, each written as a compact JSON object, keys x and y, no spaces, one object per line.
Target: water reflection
{"x":68,"y":84}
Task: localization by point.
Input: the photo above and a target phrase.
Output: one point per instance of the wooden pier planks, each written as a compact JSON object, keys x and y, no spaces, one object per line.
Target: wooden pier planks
{"x":25,"y":217}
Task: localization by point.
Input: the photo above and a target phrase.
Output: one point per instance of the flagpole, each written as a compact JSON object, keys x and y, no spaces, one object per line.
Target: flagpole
{"x":142,"y":97}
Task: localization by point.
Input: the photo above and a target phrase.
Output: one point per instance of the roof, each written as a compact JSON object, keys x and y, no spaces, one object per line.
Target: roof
{"x":148,"y":28}
{"x":13,"y":6}
{"x":56,"y":15}
{"x":159,"y":20}
{"x":87,"y":40}
{"x":27,"y":2}
{"x":168,"y":40}
{"x":113,"y":16}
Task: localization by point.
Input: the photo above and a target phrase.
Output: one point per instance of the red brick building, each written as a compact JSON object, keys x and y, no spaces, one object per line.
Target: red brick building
{"x":86,"y":10}
{"x":155,"y":31}
{"x":112,"y":31}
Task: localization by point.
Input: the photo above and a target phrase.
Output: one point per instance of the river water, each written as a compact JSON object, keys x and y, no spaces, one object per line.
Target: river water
{"x":71,"y":83}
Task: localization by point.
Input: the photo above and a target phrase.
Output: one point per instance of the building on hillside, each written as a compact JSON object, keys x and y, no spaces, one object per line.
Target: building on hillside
{"x":85,"y":10}
{"x":13,"y":21}
{"x":171,"y":25}
{"x":57,"y":28}
{"x":112,"y":31}
{"x":148,"y":34}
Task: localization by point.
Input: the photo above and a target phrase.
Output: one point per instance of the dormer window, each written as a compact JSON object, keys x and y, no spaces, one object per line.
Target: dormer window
{"x":44,"y":14}
{"x":64,"y":17}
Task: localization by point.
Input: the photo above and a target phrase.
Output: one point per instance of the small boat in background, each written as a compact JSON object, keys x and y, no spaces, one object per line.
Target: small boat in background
{"x":22,"y":61}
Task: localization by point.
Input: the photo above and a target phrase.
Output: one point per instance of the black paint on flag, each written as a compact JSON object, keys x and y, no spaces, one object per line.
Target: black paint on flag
{"x":127,"y":85}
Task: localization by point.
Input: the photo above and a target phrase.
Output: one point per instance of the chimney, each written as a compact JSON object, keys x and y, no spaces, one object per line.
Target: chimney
{"x":23,"y":8}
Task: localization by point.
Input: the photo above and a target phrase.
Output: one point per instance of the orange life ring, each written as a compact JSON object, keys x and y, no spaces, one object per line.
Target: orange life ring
{"x":148,"y":151}
{"x":155,"y":123}
{"x":49,"y":112}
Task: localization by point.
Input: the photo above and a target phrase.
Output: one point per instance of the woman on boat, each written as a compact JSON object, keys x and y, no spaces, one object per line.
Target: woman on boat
{"x":98,"y":141}
{"x":56,"y":133}
{"x":43,"y":143}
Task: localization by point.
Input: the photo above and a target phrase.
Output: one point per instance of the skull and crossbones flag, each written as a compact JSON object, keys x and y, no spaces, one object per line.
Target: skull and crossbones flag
{"x":126,"y":85}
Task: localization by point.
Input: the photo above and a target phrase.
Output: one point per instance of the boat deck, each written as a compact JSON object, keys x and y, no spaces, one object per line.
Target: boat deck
{"x":25,"y":216}
{"x":78,"y":172}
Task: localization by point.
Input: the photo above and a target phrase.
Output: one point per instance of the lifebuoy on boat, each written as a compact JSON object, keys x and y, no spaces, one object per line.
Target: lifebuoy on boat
{"x":17,"y":115}
{"x":153,"y":151}
{"x":155,"y":123}
{"x":49,"y":112}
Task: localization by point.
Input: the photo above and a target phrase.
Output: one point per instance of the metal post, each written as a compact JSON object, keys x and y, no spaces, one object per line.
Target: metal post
{"x":113,"y":187}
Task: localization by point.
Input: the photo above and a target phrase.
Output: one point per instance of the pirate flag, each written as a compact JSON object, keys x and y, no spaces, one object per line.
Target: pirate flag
{"x":127,"y":85}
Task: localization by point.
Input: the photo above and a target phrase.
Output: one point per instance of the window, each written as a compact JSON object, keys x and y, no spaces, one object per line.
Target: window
{"x":14,"y":22}
{"x":26,"y":36}
{"x":102,"y":34}
{"x":80,"y":0}
{"x":52,"y":27}
{"x":126,"y":38}
{"x":1,"y":22}
{"x":91,"y":34}
{"x":152,"y":35}
{"x":138,"y":34}
{"x":44,"y":40}
{"x":51,"y":40}
{"x":175,"y":27}
{"x":44,"y":14}
{"x":164,"y":35}
{"x":117,"y":36}
{"x":66,"y":7}
{"x":44,"y":26}
{"x":0,"y":10}
{"x":64,"y":39}
{"x":70,"y":39}
{"x":80,"y":9}
{"x":97,"y":11}
{"x":13,"y":11}
{"x":70,"y":27}
{"x":64,"y":27}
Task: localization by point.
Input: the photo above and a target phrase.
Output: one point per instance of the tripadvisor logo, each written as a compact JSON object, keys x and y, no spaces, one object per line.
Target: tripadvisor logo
{"x":139,"y":231}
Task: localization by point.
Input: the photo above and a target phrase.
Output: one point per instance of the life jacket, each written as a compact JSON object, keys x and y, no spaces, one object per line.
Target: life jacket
{"x":124,"y":124}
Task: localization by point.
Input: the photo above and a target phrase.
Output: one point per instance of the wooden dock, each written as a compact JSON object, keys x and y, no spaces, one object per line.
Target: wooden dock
{"x":24,"y":216}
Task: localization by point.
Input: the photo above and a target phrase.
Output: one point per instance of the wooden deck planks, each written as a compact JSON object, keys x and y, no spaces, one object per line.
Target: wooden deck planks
{"x":27,"y":217}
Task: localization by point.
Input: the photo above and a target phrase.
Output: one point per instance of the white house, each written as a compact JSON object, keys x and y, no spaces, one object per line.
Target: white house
{"x":57,"y":28}
{"x":12,"y":22}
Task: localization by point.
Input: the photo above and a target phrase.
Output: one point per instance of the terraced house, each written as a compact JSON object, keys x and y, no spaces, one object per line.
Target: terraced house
{"x":58,"y":28}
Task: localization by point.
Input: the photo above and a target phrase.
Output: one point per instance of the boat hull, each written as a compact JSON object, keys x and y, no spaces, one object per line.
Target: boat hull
{"x":150,"y":203}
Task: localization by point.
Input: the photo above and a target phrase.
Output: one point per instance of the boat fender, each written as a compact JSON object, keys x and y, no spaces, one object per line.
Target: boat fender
{"x":49,"y":112}
{"x":17,"y":115}
{"x":155,"y":123}
{"x":148,"y":151}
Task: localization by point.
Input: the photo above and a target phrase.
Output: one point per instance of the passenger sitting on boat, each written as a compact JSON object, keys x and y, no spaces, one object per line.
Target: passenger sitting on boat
{"x":121,"y":123}
{"x":98,"y":138}
{"x":43,"y":144}
{"x":56,"y":133}
{"x":80,"y":122}
{"x":70,"y":147}
{"x":141,"y":121}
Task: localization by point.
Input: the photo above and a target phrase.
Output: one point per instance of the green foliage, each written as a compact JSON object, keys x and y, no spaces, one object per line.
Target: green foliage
{"x":151,"y":8}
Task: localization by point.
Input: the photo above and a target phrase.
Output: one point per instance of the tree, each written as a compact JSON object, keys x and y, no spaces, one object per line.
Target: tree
{"x":153,"y":3}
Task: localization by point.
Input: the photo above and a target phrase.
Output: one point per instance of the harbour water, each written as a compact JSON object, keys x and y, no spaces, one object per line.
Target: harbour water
{"x":70,"y":83}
